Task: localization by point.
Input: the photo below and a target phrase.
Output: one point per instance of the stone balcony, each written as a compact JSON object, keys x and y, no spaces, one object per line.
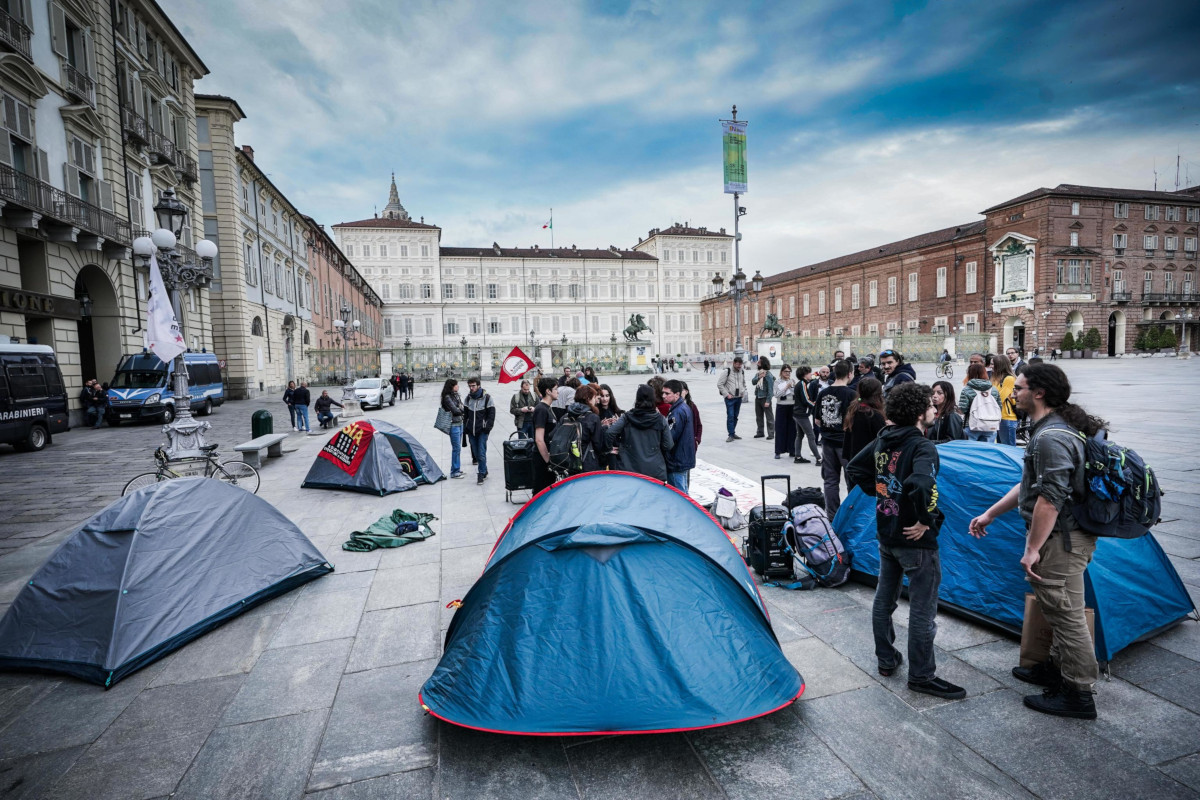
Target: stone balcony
{"x":33,"y":204}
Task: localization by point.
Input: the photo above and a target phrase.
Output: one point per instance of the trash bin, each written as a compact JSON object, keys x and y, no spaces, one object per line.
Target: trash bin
{"x":261,"y":423}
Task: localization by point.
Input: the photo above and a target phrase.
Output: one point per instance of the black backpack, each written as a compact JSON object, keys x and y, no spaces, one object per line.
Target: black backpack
{"x":566,"y":446}
{"x":1122,"y":498}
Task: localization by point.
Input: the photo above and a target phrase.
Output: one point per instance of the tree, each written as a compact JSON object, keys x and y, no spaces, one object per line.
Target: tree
{"x":1091,"y":340}
{"x":1139,"y":343}
{"x":1068,"y":341}
{"x":1167,"y":338}
{"x":1152,"y":337}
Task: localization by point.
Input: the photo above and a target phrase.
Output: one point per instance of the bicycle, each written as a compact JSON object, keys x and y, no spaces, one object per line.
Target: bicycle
{"x":234,"y":473}
{"x":944,"y":370}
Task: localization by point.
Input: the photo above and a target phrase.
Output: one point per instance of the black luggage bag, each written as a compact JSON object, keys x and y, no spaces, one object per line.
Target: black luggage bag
{"x":519,"y":455}
{"x":765,"y":545}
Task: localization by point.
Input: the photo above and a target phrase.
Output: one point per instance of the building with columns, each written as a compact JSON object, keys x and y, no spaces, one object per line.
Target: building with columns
{"x":1052,"y":260}
{"x":433,"y":294}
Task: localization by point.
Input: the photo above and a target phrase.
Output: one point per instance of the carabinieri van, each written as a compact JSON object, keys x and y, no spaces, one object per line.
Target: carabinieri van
{"x":33,"y":400}
{"x":143,"y":387}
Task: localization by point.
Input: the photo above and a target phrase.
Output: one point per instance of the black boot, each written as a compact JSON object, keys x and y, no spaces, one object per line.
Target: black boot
{"x":1045,"y":673}
{"x":1063,"y":701}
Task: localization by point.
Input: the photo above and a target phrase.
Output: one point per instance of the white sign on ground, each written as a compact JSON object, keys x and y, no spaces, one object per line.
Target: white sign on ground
{"x":707,"y":478}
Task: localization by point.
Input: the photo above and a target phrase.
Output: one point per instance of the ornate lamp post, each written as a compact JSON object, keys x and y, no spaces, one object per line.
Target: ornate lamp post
{"x":737,"y":290}
{"x":185,"y":434}
{"x":407,"y":358}
{"x":463,"y":346}
{"x":347,"y":329}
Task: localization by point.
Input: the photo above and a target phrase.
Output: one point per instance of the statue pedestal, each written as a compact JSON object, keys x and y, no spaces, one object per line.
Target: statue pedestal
{"x":772,"y":350}
{"x":639,"y":357}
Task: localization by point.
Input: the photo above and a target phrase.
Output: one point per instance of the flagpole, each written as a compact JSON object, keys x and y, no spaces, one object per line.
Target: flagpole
{"x":552,"y":229}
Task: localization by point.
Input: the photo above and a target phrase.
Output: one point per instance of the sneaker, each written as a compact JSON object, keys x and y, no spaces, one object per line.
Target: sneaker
{"x":736,"y":436}
{"x":481,"y":478}
{"x":730,"y":438}
{"x":777,"y":455}
{"x":938,"y":688}
{"x":1045,"y":673}
{"x":758,"y":436}
{"x":458,"y":474}
{"x":817,"y":462}
{"x":1064,"y":701}
{"x":770,"y":437}
{"x":295,"y":428}
{"x":887,"y":672}
{"x":474,"y":462}
{"x":800,"y":460}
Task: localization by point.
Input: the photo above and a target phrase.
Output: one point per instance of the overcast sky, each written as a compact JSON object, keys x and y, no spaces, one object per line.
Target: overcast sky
{"x":866,"y":125}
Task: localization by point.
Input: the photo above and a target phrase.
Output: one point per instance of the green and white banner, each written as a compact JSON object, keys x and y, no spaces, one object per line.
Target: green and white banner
{"x":733,"y":140}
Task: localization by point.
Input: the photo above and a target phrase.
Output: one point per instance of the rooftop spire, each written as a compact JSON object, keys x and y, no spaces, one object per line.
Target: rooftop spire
{"x":393,"y":209}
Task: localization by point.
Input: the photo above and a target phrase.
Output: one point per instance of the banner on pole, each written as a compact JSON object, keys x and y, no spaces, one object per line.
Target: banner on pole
{"x":733,"y":140}
{"x":515,"y":365}
{"x":163,"y":334}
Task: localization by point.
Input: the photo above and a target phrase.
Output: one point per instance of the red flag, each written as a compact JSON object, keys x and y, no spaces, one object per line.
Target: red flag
{"x":515,"y":365}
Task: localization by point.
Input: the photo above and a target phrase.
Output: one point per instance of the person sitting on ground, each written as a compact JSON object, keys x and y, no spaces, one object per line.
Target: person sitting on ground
{"x":322,"y":407}
{"x":642,"y":437}
{"x":864,"y":419}
{"x":948,"y":425}
{"x":977,"y":381}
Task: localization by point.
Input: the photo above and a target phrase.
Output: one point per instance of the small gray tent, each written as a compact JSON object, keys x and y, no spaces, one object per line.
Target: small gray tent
{"x":373,"y":457}
{"x":150,"y":573}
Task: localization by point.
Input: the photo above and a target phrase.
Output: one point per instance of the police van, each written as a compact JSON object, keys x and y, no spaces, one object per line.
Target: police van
{"x":143,"y":388}
{"x":33,"y":399}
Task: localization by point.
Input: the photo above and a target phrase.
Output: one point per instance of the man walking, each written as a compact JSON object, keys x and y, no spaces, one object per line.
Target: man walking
{"x":300,"y":400}
{"x":682,"y":457}
{"x":732,"y":387}
{"x":764,"y":391}
{"x":832,"y":404}
{"x":1057,"y":551}
{"x":478,"y":418}
{"x":900,"y":469}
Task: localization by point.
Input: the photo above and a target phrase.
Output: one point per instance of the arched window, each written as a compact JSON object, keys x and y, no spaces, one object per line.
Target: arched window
{"x":256,"y":327}
{"x":306,"y":340}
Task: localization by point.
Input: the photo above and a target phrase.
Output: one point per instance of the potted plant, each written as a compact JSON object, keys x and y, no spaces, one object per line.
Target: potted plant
{"x":1068,"y":344}
{"x":1091,"y":343}
{"x":1167,"y":341}
{"x":1152,"y":339}
{"x":1139,"y":343}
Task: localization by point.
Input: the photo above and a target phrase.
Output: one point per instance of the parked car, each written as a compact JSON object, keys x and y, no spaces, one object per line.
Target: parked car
{"x":143,"y":387}
{"x":33,"y":399}
{"x":374,"y":392}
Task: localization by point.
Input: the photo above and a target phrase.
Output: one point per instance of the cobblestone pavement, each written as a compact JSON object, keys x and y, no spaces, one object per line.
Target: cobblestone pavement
{"x":314,"y":693}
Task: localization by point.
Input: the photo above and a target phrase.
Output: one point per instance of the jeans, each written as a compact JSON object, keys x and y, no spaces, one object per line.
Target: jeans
{"x":923,"y":568}
{"x":804,"y":429}
{"x":292,"y":414}
{"x":763,"y":412}
{"x":1008,"y":432}
{"x":679,"y":480}
{"x":733,"y":407}
{"x":831,"y":470}
{"x":478,"y":444}
{"x":1060,"y":596}
{"x":323,"y":417}
{"x":981,"y":436}
{"x":527,"y":426}
{"x":302,"y":418}
{"x":456,"y":436}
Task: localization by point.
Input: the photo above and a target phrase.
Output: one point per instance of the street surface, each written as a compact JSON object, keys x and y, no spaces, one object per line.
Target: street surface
{"x":315,"y":693}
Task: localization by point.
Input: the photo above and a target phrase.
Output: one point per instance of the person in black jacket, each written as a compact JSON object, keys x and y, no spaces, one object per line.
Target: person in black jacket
{"x":300,"y":400}
{"x":642,"y":436}
{"x":583,"y":408}
{"x":900,"y":470}
{"x":948,"y":425}
{"x":323,"y":408}
{"x":864,"y":419}
{"x":287,"y":400}
{"x":86,"y":395}
{"x":478,"y":418}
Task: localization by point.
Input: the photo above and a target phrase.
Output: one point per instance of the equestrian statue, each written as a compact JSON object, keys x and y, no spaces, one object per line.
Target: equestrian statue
{"x":772,"y":326}
{"x":637,"y":324}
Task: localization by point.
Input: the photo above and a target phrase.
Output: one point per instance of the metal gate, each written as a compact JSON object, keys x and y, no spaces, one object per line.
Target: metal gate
{"x":328,"y":367}
{"x":436,"y":363}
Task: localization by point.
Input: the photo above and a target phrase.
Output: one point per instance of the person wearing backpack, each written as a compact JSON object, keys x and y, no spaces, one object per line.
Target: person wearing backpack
{"x":592,"y":449}
{"x":1057,"y":550}
{"x":900,"y":470}
{"x":983,"y":417}
{"x":732,"y":386}
{"x":682,"y":456}
{"x":642,"y":437}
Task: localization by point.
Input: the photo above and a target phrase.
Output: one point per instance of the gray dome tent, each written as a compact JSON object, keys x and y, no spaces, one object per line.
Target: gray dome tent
{"x":373,"y":457}
{"x":153,"y":571}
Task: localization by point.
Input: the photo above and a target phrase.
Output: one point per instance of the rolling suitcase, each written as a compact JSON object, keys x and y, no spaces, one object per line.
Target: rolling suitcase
{"x":769,"y":555}
{"x":519,"y":453}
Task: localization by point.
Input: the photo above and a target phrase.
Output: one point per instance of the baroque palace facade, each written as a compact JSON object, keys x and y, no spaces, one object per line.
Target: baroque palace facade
{"x":1052,"y":260}
{"x":434,"y":295}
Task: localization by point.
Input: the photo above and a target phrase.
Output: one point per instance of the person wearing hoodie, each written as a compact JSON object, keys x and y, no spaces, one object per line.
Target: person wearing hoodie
{"x":977,"y":381}
{"x":895,"y":371}
{"x":583,"y":409}
{"x":642,"y":437}
{"x":479,"y":415}
{"x":682,"y":457}
{"x":900,"y":470}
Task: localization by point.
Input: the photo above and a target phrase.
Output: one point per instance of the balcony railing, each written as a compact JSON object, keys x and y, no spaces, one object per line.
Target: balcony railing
{"x":1121,"y":296}
{"x":15,"y":34}
{"x":80,"y":85}
{"x":187,"y":166}
{"x":1073,"y":288}
{"x":1171,"y":298}
{"x":162,"y":147}
{"x":25,"y":191}
{"x":135,"y":126}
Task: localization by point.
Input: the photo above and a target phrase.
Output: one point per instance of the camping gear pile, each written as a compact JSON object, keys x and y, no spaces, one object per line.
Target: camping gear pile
{"x":374,"y":457}
{"x":150,"y":573}
{"x":394,"y":530}
{"x":642,"y":619}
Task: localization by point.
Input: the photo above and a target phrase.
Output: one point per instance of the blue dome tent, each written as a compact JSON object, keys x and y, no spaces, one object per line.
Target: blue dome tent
{"x":644,"y":619}
{"x":1130,"y":583}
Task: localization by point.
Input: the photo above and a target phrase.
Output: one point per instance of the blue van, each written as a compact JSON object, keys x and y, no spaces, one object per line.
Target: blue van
{"x":143,"y":387}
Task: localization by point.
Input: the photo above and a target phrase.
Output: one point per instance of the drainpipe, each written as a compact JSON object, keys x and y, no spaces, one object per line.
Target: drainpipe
{"x":137,"y":301}
{"x":262,"y":287}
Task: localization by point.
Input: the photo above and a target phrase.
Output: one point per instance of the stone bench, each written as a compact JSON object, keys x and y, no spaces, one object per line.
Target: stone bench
{"x":252,"y":450}
{"x":333,"y":423}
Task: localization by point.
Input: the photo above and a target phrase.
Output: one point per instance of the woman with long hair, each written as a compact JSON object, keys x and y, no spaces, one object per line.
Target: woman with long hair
{"x":583,"y":409}
{"x":805,"y":396}
{"x":785,"y":401}
{"x":453,"y":403}
{"x":608,"y":408}
{"x":864,"y":418}
{"x":1004,"y":380}
{"x":949,"y":423}
{"x":977,"y":381}
{"x":697,"y":428}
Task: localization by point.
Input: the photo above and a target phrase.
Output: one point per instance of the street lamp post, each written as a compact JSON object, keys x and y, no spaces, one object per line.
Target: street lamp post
{"x":185,"y":434}
{"x":407,"y":357}
{"x":737,"y":290}
{"x":463,"y":346}
{"x":347,"y":329}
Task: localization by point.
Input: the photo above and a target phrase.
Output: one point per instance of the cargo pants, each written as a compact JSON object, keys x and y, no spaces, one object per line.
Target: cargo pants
{"x":1060,"y":596}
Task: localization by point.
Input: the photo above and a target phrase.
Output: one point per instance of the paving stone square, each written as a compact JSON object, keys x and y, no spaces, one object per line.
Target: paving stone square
{"x":314,"y":694}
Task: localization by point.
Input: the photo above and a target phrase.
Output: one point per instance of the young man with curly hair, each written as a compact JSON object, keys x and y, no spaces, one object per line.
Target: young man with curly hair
{"x":900,"y":470}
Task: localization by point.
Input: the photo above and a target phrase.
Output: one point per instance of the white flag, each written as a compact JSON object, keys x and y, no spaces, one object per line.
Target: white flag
{"x":162,"y":329}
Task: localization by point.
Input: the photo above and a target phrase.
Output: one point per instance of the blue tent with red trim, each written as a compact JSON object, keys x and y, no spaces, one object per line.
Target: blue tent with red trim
{"x":611,"y":604}
{"x":1131,"y":584}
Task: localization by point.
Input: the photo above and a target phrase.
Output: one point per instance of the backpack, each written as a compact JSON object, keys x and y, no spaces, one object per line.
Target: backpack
{"x":819,"y":553}
{"x":566,"y":446}
{"x":1122,"y":498}
{"x":985,"y":412}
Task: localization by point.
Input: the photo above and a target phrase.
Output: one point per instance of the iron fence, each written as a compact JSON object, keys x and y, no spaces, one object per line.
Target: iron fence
{"x":329,"y":366}
{"x":28,"y":192}
{"x":437,"y":363}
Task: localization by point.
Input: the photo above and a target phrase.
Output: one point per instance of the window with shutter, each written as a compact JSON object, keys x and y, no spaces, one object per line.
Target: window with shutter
{"x":105,"y":191}
{"x":71,"y":177}
{"x":58,"y":30}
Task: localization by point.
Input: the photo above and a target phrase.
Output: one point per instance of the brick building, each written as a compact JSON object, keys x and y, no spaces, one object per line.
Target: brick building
{"x":1051,"y":260}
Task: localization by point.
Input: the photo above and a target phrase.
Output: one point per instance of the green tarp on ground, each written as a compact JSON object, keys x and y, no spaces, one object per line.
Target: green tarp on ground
{"x":383,"y":532}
